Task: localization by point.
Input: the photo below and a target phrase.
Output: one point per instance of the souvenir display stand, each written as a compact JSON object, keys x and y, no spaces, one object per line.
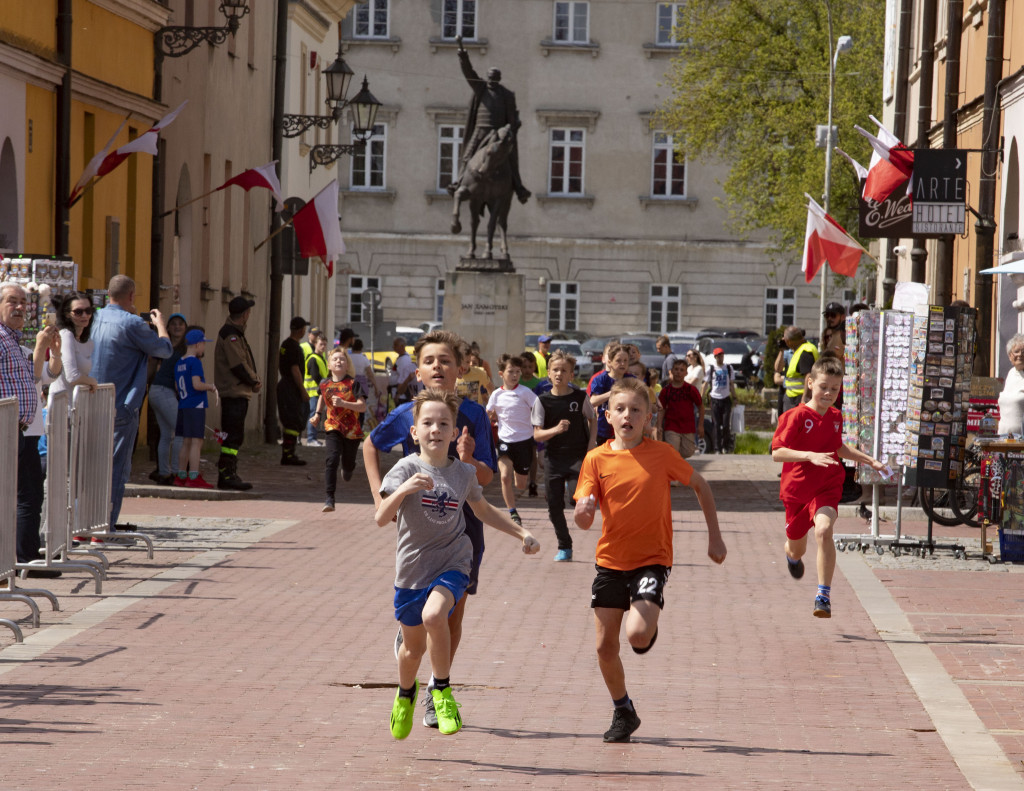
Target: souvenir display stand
{"x":875,"y":386}
{"x":1001,"y":497}
{"x":44,"y":279}
{"x":941,"y":362}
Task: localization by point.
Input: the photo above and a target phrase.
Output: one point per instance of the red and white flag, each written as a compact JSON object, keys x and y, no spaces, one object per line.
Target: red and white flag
{"x":826,"y":240}
{"x":101,"y":164}
{"x":264,"y":177}
{"x":862,"y":172}
{"x":318,"y":227}
{"x":892,"y":163}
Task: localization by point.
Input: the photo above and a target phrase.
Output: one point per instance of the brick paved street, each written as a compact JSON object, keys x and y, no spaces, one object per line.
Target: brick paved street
{"x":255,"y":652}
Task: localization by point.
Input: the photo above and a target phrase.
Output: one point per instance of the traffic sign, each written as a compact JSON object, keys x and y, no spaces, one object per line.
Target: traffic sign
{"x":939,"y":191}
{"x":371,"y":296}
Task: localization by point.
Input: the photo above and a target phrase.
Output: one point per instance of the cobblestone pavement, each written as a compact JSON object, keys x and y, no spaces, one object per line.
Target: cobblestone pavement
{"x":255,"y":652}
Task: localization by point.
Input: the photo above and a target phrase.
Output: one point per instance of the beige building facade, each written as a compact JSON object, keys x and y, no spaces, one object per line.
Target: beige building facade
{"x":621,"y":233}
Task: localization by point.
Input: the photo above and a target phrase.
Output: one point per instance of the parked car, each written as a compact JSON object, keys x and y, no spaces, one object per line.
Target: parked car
{"x":575,"y":349}
{"x":530,"y":339}
{"x":593,"y":350}
{"x":383,"y":360}
{"x":683,"y":336}
{"x":735,"y":350}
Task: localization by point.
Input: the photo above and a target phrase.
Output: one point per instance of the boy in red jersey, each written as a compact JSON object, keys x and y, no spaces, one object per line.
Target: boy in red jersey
{"x":630,"y":477}
{"x":809,"y":443}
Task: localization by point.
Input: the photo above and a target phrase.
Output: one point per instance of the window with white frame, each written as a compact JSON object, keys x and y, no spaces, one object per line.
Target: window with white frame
{"x":665,"y":308}
{"x":779,"y":307}
{"x":572,"y":22}
{"x":563,"y":305}
{"x":369,"y":161}
{"x":449,"y":149}
{"x":669,"y":16}
{"x":371,"y":19}
{"x":459,"y":19}
{"x":439,"y":300}
{"x":566,"y":163}
{"x":668,"y":171}
{"x":357,"y":284}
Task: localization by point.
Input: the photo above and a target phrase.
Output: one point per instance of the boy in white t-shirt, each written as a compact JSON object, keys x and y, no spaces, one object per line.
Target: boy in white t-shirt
{"x":511,"y":408}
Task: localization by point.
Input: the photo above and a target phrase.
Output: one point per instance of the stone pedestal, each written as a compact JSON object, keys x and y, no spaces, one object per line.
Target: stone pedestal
{"x":487,"y":307}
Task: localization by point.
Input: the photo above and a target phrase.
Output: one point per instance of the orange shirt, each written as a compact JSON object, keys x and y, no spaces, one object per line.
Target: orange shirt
{"x":632,"y":488}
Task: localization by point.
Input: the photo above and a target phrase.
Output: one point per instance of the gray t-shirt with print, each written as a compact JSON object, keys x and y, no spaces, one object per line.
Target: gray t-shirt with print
{"x":431,"y":528}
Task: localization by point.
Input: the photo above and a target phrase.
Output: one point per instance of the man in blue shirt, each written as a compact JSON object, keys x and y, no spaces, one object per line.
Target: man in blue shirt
{"x":123,"y":342}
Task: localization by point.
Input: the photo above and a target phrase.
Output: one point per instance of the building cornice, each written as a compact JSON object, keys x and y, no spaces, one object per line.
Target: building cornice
{"x":112,"y":99}
{"x":32,"y":69}
{"x":553,"y":116}
{"x":147,"y":14}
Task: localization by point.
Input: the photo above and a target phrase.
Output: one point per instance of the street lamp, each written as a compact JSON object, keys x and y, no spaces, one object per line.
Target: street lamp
{"x":175,"y":41}
{"x":339,"y":76}
{"x":844,"y":44}
{"x":364,"y":107}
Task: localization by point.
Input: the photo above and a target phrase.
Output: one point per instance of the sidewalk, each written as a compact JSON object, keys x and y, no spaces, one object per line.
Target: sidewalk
{"x":255,"y":652}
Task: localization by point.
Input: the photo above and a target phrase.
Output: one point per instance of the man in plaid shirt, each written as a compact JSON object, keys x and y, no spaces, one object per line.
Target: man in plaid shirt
{"x":18,"y":377}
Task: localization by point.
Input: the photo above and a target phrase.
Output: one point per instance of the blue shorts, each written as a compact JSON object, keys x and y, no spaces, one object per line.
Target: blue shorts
{"x":409,"y":601}
{"x":191,"y":423}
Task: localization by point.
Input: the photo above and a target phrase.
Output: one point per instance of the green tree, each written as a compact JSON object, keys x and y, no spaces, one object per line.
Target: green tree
{"x":749,"y":87}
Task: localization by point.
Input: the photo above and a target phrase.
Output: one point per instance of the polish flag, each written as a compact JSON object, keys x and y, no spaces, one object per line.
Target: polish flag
{"x":892,"y":163}
{"x":318,"y":227}
{"x":862,"y":172}
{"x":826,"y":240}
{"x":264,"y":177}
{"x":103,"y":163}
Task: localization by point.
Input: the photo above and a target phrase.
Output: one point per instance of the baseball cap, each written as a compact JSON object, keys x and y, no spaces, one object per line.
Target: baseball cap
{"x":346,"y":334}
{"x":239,"y":305}
{"x":196,"y":336}
{"x":299,"y":323}
{"x":543,"y":339}
{"x":177,"y":316}
{"x":718,"y":350}
{"x":834,"y":307}
{"x":316,"y":331}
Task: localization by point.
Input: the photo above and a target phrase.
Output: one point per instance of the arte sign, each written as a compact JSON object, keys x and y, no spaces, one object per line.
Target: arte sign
{"x":940,"y":191}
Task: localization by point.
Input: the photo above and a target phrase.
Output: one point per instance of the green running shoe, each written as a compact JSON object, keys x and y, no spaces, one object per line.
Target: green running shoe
{"x":401,"y":712}
{"x":448,"y":718}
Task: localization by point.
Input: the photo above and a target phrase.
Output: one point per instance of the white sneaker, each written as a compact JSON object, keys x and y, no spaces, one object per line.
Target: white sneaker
{"x":314,"y":443}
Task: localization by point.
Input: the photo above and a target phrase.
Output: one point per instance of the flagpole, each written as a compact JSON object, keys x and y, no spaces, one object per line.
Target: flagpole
{"x":275,"y":233}
{"x":188,"y":203}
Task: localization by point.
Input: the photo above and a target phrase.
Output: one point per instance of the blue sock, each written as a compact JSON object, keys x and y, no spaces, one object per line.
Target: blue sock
{"x":193,"y":474}
{"x":512,"y":511}
{"x":824,"y":591}
{"x":791,"y":561}
{"x":623,"y":703}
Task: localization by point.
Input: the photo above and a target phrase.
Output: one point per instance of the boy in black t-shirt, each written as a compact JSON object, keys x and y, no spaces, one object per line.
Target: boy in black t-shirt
{"x":564,"y":419}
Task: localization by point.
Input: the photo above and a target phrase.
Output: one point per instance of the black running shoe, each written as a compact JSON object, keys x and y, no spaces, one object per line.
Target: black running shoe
{"x":517,"y":519}
{"x":624,"y":722}
{"x":822,"y":607}
{"x":796,"y":570}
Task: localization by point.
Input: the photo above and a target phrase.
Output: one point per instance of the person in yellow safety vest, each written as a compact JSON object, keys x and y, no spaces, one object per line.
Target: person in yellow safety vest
{"x":804,"y":356}
{"x":315,"y":366}
{"x":542,"y":354}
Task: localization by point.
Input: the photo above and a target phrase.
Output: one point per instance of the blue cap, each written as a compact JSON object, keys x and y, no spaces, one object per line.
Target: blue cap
{"x":176,"y":316}
{"x":543,"y":339}
{"x":196,"y":336}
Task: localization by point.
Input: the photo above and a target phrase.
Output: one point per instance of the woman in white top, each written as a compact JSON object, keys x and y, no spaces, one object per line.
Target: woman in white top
{"x":1011,"y":400}
{"x":695,"y":371}
{"x":74,"y":320}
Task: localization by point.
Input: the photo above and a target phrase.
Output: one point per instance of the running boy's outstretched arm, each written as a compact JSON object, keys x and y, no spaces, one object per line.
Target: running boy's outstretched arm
{"x":852,"y":454}
{"x":716,"y":546}
{"x":388,"y":508}
{"x":500,"y":520}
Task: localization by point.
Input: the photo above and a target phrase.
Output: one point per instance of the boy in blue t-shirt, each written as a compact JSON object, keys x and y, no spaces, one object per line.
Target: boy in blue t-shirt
{"x":601,"y":387}
{"x":192,"y":389}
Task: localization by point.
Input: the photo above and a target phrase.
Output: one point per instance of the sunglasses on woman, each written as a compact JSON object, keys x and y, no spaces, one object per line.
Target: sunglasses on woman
{"x":82,"y":312}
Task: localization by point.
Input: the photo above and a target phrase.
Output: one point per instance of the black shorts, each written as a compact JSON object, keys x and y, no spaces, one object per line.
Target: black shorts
{"x":520,"y":453}
{"x":191,"y":423}
{"x":617,"y":589}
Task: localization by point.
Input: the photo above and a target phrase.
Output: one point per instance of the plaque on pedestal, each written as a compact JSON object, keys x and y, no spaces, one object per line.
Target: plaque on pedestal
{"x":485,"y":265}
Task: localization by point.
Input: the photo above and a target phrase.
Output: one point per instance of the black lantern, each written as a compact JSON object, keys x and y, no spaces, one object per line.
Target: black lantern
{"x":175,"y":41}
{"x":364,"y":108}
{"x":339,"y":77}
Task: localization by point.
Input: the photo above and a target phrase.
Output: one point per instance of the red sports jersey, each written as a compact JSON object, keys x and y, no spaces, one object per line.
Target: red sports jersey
{"x":801,"y":428}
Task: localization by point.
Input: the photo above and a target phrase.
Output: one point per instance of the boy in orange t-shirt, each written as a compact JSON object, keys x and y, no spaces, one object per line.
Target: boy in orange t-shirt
{"x":630,"y":478}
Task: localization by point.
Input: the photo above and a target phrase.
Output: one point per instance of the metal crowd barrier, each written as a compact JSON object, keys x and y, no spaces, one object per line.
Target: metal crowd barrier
{"x":92,"y":465}
{"x":58,"y":509}
{"x":9,"y":438}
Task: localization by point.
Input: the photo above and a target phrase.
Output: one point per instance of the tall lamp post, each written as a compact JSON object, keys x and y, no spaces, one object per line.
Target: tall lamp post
{"x":844,"y":44}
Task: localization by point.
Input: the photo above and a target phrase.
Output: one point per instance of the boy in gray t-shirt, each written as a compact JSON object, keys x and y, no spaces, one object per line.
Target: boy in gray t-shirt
{"x":426,"y":493}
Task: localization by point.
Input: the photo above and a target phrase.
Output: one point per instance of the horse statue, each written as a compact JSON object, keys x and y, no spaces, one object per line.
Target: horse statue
{"x":487,"y":183}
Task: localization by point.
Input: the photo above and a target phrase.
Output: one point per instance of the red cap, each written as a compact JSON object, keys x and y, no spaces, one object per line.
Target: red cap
{"x":718,"y":350}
